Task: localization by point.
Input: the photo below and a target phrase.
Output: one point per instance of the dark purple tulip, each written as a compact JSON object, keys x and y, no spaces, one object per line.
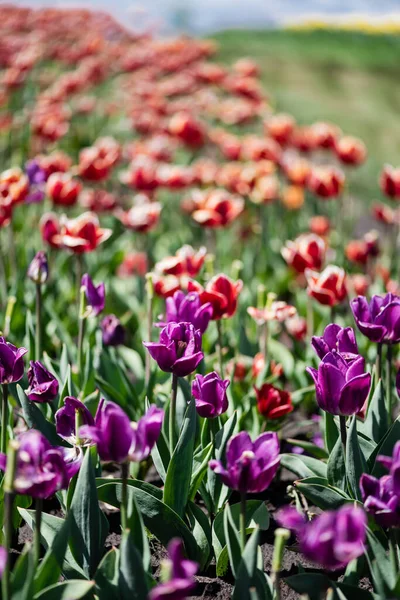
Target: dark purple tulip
{"x":379,"y":320}
{"x":181,"y":308}
{"x":145,"y":433}
{"x":182,"y":571}
{"x":43,"y":386}
{"x":95,"y":294}
{"x":41,"y":469}
{"x":35,"y":173}
{"x":11,"y":362}
{"x":112,"y":432}
{"x":66,"y":418}
{"x":290,"y":518}
{"x":3,"y":560}
{"x":341,"y":387}
{"x":73,"y":458}
{"x":337,"y":338}
{"x":38,"y":270}
{"x":332,"y":539}
{"x":250,"y":466}
{"x":113,"y":331}
{"x":398,"y":383}
{"x":380,"y":500}
{"x":209,"y":392}
{"x":179,"y":349}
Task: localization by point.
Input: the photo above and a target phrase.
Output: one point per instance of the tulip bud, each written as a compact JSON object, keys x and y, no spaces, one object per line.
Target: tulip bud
{"x":38,"y":270}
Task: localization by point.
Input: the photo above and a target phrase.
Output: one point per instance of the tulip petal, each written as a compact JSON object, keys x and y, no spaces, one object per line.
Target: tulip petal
{"x":354,"y":394}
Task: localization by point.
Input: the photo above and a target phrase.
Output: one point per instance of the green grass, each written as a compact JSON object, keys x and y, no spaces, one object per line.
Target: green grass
{"x":351,"y":79}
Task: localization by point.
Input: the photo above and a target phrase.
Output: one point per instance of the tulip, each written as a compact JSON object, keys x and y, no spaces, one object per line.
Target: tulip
{"x":3,"y":560}
{"x":320,"y":225}
{"x":250,"y":466}
{"x":380,"y":500}
{"x":332,"y":539}
{"x":221,"y":292}
{"x":72,"y":412}
{"x":184,"y":127}
{"x":216,"y":208}
{"x":11,"y":362}
{"x":297,"y":327}
{"x":63,"y":189}
{"x":325,"y":135}
{"x":329,"y":287}
{"x":341,"y":386}
{"x":41,"y":469}
{"x":145,"y":434}
{"x":178,"y":350}
{"x":209,"y":392}
{"x":112,"y":330}
{"x":181,"y":572}
{"x":95,"y":295}
{"x":280,"y":127}
{"x":390,"y":182}
{"x":398,"y":383}
{"x":112,"y":432}
{"x":142,"y":217}
{"x":336,"y":338}
{"x":379,"y":320}
{"x":186,"y":261}
{"x":181,"y":308}
{"x":326,"y":182}
{"x":350,"y":150}
{"x":306,"y":252}
{"x":43,"y":386}
{"x":79,"y":235}
{"x":97,"y":200}
{"x":38,"y":270}
{"x":273,"y":403}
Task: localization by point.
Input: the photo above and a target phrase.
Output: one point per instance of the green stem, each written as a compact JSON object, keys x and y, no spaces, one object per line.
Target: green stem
{"x":81,"y":334}
{"x":242,"y":521}
{"x":281,"y":537}
{"x":389,"y":354}
{"x":124,"y":499}
{"x":343,"y":433}
{"x":149,"y":295}
{"x":4,"y":418}
{"x":379,"y":360}
{"x":38,"y":347}
{"x":8,"y":512}
{"x":38,"y":522}
{"x":219,"y":348}
{"x":172,"y":414}
{"x":79,"y":272}
{"x":310,"y":317}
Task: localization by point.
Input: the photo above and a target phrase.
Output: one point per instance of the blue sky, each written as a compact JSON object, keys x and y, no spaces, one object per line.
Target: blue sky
{"x":201,"y":16}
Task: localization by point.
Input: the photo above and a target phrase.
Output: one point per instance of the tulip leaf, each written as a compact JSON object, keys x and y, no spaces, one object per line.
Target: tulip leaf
{"x":315,"y":585}
{"x":201,"y":529}
{"x":35,"y":419}
{"x":389,"y":574}
{"x":282,"y":355}
{"x":132,"y":584}
{"x":304,"y":466}
{"x":231,"y":534}
{"x":323,"y":495}
{"x":385,"y":447}
{"x":331,"y":431}
{"x":355,"y":462}
{"x":137,"y":531}
{"x":309,"y":447}
{"x":22,"y":575}
{"x":159,"y":518}
{"x":89,"y":527}
{"x":336,"y":470}
{"x":161,"y":456}
{"x":200,"y":465}
{"x":247,"y":568}
{"x":50,"y":568}
{"x":376,"y":422}
{"x":179,"y":473}
{"x":106,"y":576}
{"x":215,"y":485}
{"x":66,"y":590}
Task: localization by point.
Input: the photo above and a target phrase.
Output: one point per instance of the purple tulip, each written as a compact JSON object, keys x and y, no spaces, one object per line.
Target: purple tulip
{"x":332,"y":539}
{"x":112,"y":432}
{"x":3,"y":560}
{"x":145,"y":433}
{"x":38,"y":270}
{"x":209,"y":392}
{"x":250,"y":466}
{"x":380,"y":500}
{"x":11,"y":362}
{"x":73,"y":458}
{"x":41,"y":469}
{"x":181,"y":575}
{"x":66,"y":418}
{"x":43,"y":386}
{"x":398,"y":383}
{"x":35,"y":173}
{"x":379,"y":320}
{"x":95,"y":295}
{"x":113,"y":331}
{"x":341,"y":387}
{"x":337,"y":338}
{"x":179,"y":349}
{"x":181,"y":308}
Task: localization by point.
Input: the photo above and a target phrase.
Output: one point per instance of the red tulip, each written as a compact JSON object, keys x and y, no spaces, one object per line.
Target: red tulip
{"x":187,"y":129}
{"x":325,"y":135}
{"x":273,"y":403}
{"x":329,"y":287}
{"x":350,"y":150}
{"x":216,"y":208}
{"x":143,"y":217}
{"x":280,"y":127}
{"x":305,"y":252}
{"x":390,"y":182}
{"x":320,"y":225}
{"x":326,"y":182}
{"x":221,"y":292}
{"x":79,"y":235}
{"x":63,"y":189}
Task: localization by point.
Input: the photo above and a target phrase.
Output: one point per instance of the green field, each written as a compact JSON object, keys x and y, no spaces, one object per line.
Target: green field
{"x":352,"y":79}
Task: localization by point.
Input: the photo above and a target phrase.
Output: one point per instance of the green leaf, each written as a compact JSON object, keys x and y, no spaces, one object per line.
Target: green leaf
{"x":89,"y":527}
{"x":384,"y":565}
{"x":22,"y":575}
{"x":201,"y":530}
{"x":35,"y":419}
{"x":214,"y":483}
{"x":336,"y":470}
{"x":200,"y":465}
{"x":282,"y":355}
{"x":247,"y":569}
{"x":50,"y":569}
{"x":323,"y":495}
{"x":385,"y":447}
{"x":132,"y":584}
{"x":315,"y":585}
{"x":356,"y":464}
{"x":67,"y":590}
{"x":159,"y":518}
{"x":303,"y":466}
{"x":375,"y":425}
{"x":232,"y":540}
{"x":161,"y":456}
{"x":106,"y":576}
{"x":311,"y":448}
{"x":137,"y":531}
{"x":331,"y":431}
{"x":179,"y":473}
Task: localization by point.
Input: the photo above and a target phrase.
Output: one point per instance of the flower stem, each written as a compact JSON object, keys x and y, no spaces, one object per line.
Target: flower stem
{"x":8,"y":510}
{"x":38,"y":346}
{"x":124,"y":499}
{"x":389,"y":354}
{"x":393,"y":549}
{"x":310,"y":317}
{"x":79,"y":271}
{"x":242,"y":521}
{"x":4,"y":418}
{"x":343,"y":433}
{"x":172,"y":414}
{"x":81,"y":334}
{"x":38,"y":522}
{"x":11,"y":301}
{"x":219,"y":347}
{"x":379,"y":360}
{"x":149,"y":295}
{"x":281,"y":537}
